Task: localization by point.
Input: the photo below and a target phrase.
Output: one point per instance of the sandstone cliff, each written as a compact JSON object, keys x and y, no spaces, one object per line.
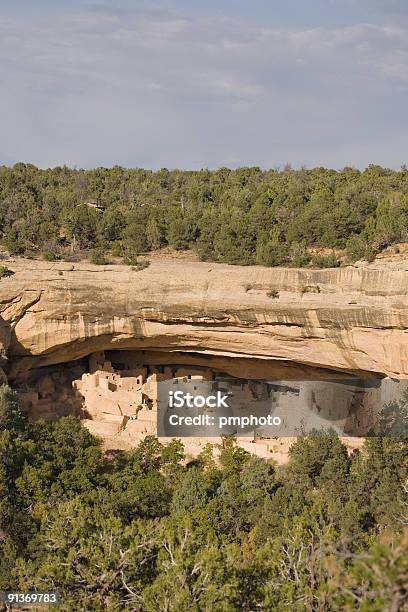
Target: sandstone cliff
{"x":268,"y":321}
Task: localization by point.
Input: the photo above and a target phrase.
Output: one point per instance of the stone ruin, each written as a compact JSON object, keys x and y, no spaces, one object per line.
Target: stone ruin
{"x":118,"y":403}
{"x":116,"y":398}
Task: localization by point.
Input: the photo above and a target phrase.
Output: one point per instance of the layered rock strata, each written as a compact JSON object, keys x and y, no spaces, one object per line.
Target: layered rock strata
{"x":256,"y":323}
{"x":348,"y":319}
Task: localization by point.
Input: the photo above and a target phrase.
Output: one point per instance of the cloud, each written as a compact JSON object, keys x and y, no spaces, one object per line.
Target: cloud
{"x":390,"y":7}
{"x":149,"y":86}
{"x":378,"y":12}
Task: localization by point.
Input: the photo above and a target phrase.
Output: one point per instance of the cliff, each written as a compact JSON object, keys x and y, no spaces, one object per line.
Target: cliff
{"x":268,"y":321}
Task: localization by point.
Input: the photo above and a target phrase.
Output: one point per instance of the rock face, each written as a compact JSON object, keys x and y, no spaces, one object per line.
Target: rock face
{"x":262,"y":322}
{"x":253,"y":323}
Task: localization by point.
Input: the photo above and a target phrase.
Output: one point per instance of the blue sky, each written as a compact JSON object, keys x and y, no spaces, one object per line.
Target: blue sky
{"x":193,"y":84}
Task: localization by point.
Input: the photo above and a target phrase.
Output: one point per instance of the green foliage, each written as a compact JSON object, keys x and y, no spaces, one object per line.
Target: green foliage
{"x":393,"y":419}
{"x":81,"y":224}
{"x":299,"y":256}
{"x":357,"y":248}
{"x":242,"y":216}
{"x":98,"y":257}
{"x":271,"y":253}
{"x":309,"y":456}
{"x":11,"y":418}
{"x":325,"y":261}
{"x":143,"y":530}
{"x":137,"y":266}
{"x":5,"y":272}
{"x":49,"y":256}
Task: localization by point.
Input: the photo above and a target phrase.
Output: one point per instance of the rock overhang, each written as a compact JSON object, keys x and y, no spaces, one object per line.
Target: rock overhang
{"x":344,"y":320}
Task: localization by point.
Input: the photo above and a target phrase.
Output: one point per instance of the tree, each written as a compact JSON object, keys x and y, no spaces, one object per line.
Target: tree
{"x":313,"y":458}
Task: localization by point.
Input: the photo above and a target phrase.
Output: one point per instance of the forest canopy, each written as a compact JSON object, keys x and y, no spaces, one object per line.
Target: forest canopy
{"x":150,"y":530}
{"x":244,"y":216}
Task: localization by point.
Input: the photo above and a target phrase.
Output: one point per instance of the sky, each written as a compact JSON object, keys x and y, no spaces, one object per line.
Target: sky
{"x":204,"y":83}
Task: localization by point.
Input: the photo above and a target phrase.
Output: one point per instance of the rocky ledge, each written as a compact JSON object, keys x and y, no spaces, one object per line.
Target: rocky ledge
{"x":266,"y":321}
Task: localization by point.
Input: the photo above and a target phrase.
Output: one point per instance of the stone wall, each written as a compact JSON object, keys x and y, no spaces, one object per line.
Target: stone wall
{"x":117,"y":401}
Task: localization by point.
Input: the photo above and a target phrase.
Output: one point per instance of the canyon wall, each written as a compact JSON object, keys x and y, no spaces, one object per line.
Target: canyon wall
{"x":269,"y":322}
{"x":245,"y":322}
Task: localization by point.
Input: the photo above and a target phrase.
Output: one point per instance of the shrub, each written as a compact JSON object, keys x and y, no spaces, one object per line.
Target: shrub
{"x":98,"y":257}
{"x":49,"y":256}
{"x":272,"y":253}
{"x":5,"y":272}
{"x":300,"y":261}
{"x":357,"y":248}
{"x":141,"y":265}
{"x":325,"y":261}
{"x":73,"y":257}
{"x":117,"y":249}
{"x":298,"y":255}
{"x":248,"y":287}
{"x":310,"y":289}
{"x":273,"y":293}
{"x":130,"y":261}
{"x":370,"y":254}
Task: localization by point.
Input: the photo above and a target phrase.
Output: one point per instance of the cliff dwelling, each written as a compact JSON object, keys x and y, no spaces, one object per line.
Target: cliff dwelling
{"x":115,"y":393}
{"x":95,"y":341}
